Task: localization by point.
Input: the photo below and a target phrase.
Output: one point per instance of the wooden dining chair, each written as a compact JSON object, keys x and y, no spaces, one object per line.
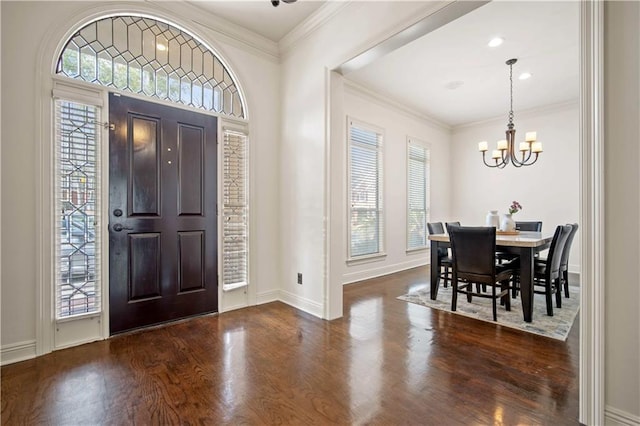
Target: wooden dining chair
{"x":547,"y":275}
{"x":443,"y":253}
{"x":474,"y":262}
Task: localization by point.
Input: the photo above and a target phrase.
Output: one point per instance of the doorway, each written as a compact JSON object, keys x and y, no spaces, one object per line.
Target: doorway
{"x":162,"y":213}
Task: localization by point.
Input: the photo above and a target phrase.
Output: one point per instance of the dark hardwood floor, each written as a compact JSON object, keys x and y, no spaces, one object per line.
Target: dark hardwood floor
{"x":385,"y":362}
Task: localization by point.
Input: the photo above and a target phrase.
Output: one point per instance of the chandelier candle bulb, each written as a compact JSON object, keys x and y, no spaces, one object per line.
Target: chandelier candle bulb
{"x":502,"y":144}
{"x":483,"y":146}
{"x":536,"y":147}
{"x":530,"y":136}
{"x":496,"y":154}
{"x":524,"y":146}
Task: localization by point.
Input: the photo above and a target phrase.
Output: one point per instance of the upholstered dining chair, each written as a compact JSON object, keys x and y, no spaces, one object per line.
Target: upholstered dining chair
{"x":535,"y":226}
{"x":564,"y":260}
{"x":547,"y":273}
{"x":443,"y":254}
{"x":448,"y":224}
{"x":474,"y":262}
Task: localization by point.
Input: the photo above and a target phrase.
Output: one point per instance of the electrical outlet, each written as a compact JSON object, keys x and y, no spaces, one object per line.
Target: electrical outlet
{"x":300,"y":278}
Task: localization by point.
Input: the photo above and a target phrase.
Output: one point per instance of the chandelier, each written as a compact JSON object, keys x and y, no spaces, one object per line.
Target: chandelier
{"x":506,"y":152}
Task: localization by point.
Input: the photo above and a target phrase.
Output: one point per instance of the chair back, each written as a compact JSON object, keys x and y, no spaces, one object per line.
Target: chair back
{"x":474,"y":251}
{"x":438,"y":228}
{"x":564,"y":259}
{"x":529,"y":226}
{"x":450,"y":224}
{"x":555,"y":250}
{"x":435,"y":228}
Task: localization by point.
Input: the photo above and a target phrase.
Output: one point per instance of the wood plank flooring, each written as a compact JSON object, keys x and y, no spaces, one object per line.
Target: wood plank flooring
{"x":385,"y":362}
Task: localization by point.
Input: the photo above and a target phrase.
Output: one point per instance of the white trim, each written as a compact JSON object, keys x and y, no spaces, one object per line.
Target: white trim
{"x":592,"y":215}
{"x":527,"y":113}
{"x":353,"y":277}
{"x":388,"y":101}
{"x":614,"y":416}
{"x":314,"y":21}
{"x":307,"y":305}
{"x":49,"y":50}
{"x":369,"y":258}
{"x":16,"y":352}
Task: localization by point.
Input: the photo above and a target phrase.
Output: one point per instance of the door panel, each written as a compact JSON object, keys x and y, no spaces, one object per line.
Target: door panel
{"x":162,"y":203}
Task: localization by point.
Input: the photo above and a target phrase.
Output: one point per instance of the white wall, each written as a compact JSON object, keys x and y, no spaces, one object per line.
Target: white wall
{"x":28,"y":26}
{"x":622,"y":211}
{"x":397,"y":124}
{"x":548,"y":191}
{"x":305,"y":143}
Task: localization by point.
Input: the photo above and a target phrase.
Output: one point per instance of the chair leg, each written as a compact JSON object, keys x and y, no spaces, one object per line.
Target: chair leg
{"x":495,"y":303}
{"x":446,"y":276}
{"x":549,"y":299}
{"x":515,"y":285}
{"x":506,"y":298}
{"x":454,"y":294}
{"x":565,"y":278}
{"x":559,"y":293}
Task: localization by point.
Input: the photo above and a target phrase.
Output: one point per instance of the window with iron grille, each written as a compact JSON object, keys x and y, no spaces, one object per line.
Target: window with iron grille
{"x":417,"y":194}
{"x":77,"y":229}
{"x":366,"y":212}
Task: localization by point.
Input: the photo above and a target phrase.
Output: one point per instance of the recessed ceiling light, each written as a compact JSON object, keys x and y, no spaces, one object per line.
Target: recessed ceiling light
{"x":495,"y":42}
{"x":525,"y":75}
{"x":161,"y":47}
{"x":453,"y":85}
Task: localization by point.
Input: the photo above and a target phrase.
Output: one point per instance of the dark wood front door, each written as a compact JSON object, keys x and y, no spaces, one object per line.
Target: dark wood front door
{"x":162,"y":214}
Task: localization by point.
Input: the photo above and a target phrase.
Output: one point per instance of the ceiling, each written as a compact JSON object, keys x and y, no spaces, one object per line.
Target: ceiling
{"x":260,"y":16}
{"x":451,"y":74}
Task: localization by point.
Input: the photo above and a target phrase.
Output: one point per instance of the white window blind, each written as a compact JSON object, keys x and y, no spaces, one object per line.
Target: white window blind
{"x":235,"y":211}
{"x":366,"y":224}
{"x":417,"y":195}
{"x":77,"y":213}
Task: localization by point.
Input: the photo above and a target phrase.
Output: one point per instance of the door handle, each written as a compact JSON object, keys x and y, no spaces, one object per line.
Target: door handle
{"x":118,"y":227}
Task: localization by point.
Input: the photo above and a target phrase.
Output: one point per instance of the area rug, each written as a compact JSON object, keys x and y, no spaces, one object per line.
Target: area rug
{"x":556,"y":327}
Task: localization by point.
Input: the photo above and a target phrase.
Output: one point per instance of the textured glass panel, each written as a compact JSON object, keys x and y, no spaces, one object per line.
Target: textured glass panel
{"x":77,"y":189}
{"x":148,"y":81}
{"x":121,"y":51}
{"x":105,"y":69}
{"x":135,"y":77}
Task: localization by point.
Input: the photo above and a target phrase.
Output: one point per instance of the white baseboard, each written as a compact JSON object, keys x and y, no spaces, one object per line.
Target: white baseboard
{"x":306,"y":305}
{"x":267,"y":297}
{"x":17,"y":352}
{"x":353,"y":277}
{"x":615,"y":417}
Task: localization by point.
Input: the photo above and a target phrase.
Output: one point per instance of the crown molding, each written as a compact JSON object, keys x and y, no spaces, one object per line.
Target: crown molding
{"x":226,"y":31}
{"x":309,"y":25}
{"x":388,"y":101}
{"x":527,"y":113}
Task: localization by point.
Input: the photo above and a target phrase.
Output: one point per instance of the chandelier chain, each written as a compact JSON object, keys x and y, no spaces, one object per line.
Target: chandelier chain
{"x":511,"y":96}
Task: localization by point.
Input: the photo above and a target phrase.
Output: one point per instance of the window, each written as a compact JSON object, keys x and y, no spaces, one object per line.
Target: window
{"x":366,"y":214}
{"x":417,"y":194}
{"x":152,"y":58}
{"x":235,"y":211}
{"x":77,"y":187}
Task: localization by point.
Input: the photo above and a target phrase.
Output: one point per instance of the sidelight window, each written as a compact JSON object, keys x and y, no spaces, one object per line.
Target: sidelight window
{"x":77,"y":187}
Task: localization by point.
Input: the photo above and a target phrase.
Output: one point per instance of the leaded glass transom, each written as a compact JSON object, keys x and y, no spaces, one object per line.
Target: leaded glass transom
{"x":152,"y":58}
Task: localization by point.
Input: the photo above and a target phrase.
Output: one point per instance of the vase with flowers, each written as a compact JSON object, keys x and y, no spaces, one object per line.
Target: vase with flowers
{"x":507,"y":224}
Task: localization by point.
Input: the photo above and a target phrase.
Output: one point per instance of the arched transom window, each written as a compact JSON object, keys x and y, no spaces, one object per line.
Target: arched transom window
{"x":149,"y":57}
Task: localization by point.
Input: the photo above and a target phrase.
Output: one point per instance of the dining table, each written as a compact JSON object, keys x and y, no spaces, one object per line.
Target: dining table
{"x":523,"y":243}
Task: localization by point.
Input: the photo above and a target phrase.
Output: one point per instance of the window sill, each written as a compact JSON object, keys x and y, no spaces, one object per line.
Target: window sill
{"x":417,"y":250}
{"x":89,"y":315}
{"x":366,"y":259}
{"x":229,"y":287}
